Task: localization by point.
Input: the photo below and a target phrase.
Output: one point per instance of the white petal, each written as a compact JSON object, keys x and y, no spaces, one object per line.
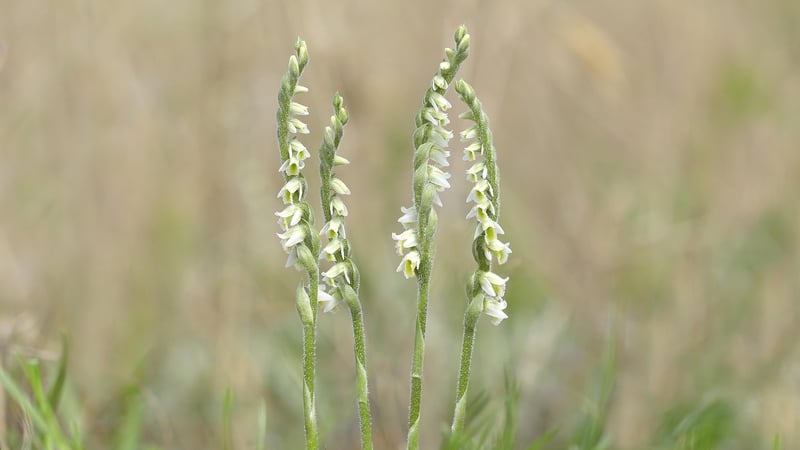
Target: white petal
{"x":469,"y":133}
{"x":438,"y":177}
{"x":298,"y":150}
{"x":438,"y":101}
{"x":291,"y":215}
{"x":494,"y":309}
{"x":328,"y":301}
{"x":409,"y":264}
{"x":334,"y":228}
{"x":338,"y":207}
{"x":336,"y":270}
{"x":297,"y":126}
{"x":409,"y":216}
{"x":340,"y":161}
{"x":439,"y":156}
{"x":339,"y":187}
{"x":292,"y":236}
{"x":296,"y":109}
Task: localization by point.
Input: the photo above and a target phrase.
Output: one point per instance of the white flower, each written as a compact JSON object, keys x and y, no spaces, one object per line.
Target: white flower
{"x":438,"y":178}
{"x":439,"y":82}
{"x":477,"y":172}
{"x":442,"y":133}
{"x":405,"y":240}
{"x":300,"y":89}
{"x":288,"y":190}
{"x":492,"y":284}
{"x":298,"y":150}
{"x":338,"y":207}
{"x":481,"y":212}
{"x":292,"y":236}
{"x":329,"y":302}
{"x":336,"y":270}
{"x":292,"y":260}
{"x":290,"y":216}
{"x":491,"y":228}
{"x":340,"y":160}
{"x":296,"y":109}
{"x":409,"y":217}
{"x":435,"y":117}
{"x":297,"y":126}
{"x":439,"y":156}
{"x":334,"y":227}
{"x":478,"y":194}
{"x":494,"y":309}
{"x":409,"y":264}
{"x":497,"y":249}
{"x":469,"y":133}
{"x":471,"y":151}
{"x":329,"y":252}
{"x":438,"y":101}
{"x":339,"y":187}
{"x":292,"y":166}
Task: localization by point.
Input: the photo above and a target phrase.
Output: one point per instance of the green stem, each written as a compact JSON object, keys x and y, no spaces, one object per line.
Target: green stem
{"x":470,"y":322}
{"x":309,"y":409}
{"x":424,"y":194}
{"x":309,"y":365}
{"x":423,"y":294}
{"x":361,"y":372}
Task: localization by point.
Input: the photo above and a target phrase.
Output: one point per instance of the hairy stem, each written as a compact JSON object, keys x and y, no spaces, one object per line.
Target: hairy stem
{"x":424,"y":195}
{"x":361,"y":374}
{"x":309,"y":366}
{"x":470,"y":322}
{"x":419,"y":353}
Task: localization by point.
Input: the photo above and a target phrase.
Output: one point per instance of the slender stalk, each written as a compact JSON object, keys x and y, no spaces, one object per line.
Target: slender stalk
{"x":359,"y":348}
{"x":429,"y":137}
{"x":309,"y":367}
{"x":419,"y":352}
{"x":470,"y":322}
{"x":299,"y":239}
{"x":343,"y":278}
{"x":485,"y":289}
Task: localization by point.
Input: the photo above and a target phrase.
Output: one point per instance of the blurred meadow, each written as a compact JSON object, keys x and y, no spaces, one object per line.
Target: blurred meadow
{"x":650,"y":162}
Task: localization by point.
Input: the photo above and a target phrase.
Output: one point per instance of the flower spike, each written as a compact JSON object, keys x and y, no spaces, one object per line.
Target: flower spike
{"x":431,"y":140}
{"x":297,"y":240}
{"x":485,"y":289}
{"x":342,"y":278}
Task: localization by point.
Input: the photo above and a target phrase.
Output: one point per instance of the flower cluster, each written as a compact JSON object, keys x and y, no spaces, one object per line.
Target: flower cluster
{"x":431,"y":140}
{"x":484,"y":197}
{"x":338,"y":249}
{"x":295,"y":217}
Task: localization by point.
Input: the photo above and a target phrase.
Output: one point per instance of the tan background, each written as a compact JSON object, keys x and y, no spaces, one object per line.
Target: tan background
{"x":649,"y":153}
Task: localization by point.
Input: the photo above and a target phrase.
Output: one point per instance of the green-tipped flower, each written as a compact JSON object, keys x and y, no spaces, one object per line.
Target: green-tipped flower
{"x":415,"y":244}
{"x":485,"y":198}
{"x":333,"y":189}
{"x":341,"y":279}
{"x":296,"y":221}
{"x":431,"y":140}
{"x":485,"y":289}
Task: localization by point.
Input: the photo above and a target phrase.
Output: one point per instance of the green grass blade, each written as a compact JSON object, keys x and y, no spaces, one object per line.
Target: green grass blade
{"x":543,"y":440}
{"x":131,"y":425}
{"x":227,"y":420}
{"x":261,"y":438}
{"x":57,"y":388}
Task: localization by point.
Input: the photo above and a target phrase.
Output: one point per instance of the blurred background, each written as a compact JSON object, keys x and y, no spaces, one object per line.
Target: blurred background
{"x":650,"y":163}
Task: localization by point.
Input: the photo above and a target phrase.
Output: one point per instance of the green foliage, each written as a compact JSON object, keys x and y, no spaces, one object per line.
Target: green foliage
{"x":39,"y":407}
{"x":706,"y":426}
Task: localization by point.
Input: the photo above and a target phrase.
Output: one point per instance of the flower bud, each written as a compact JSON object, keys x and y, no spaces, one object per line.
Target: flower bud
{"x":303,"y":303}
